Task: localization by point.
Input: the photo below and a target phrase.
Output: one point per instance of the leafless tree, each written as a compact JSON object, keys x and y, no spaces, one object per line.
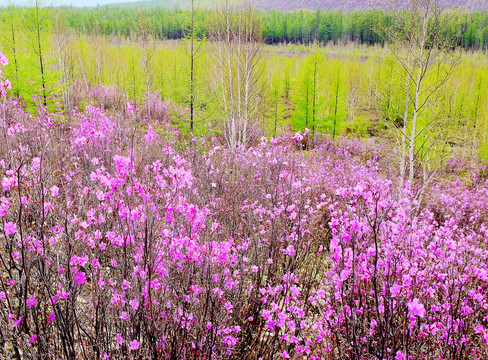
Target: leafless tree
{"x":65,"y":61}
{"x":148,"y":47}
{"x":239,"y":57}
{"x":426,"y":61}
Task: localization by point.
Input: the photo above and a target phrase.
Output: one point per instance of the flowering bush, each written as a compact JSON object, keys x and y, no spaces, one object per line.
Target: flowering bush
{"x":5,"y":84}
{"x":118,"y":242}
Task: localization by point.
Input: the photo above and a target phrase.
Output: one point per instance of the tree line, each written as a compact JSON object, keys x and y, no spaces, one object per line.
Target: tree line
{"x":467,"y":30}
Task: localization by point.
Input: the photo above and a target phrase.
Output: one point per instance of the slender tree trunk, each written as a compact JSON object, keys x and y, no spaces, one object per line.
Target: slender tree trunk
{"x":307,"y":102}
{"x":14,"y":52}
{"x":314,"y":100}
{"x":41,"y":59}
{"x":287,"y":83}
{"x":413,"y":132}
{"x":276,"y":114}
{"x":239,"y":57}
{"x":192,"y":66}
{"x":336,"y":105}
{"x":404,"y":134}
{"x":247,"y":75}
{"x":232,"y":120}
{"x":476,"y":120}
{"x":418,"y":84}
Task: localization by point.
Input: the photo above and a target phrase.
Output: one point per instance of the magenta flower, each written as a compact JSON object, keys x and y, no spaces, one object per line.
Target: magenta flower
{"x":285,"y":355}
{"x":31,"y":301}
{"x":62,"y":295}
{"x":134,"y":345}
{"x":10,"y":228}
{"x":54,"y":190}
{"x":80,"y":278}
{"x":3,"y":60}
{"x":17,"y":322}
{"x":150,"y":134}
{"x":415,"y":308}
{"x":399,"y":356}
{"x":124,"y":316}
{"x":290,"y":251}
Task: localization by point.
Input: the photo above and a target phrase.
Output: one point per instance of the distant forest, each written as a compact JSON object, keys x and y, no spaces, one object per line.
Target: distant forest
{"x":469,"y":30}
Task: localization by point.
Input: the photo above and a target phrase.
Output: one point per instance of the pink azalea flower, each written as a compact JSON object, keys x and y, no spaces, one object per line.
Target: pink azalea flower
{"x":124,"y":316}
{"x":399,"y":356}
{"x":31,"y":301}
{"x":62,"y":295}
{"x":150,"y":134}
{"x":415,"y":308}
{"x":54,"y":190}
{"x":134,"y":345}
{"x":17,"y":322}
{"x":3,"y":60}
{"x":80,"y":278}
{"x":10,"y":228}
{"x":290,"y":251}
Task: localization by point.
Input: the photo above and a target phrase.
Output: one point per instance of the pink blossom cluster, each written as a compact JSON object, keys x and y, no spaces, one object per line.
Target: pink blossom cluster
{"x":118,"y":240}
{"x":5,"y":84}
{"x":111,"y":100}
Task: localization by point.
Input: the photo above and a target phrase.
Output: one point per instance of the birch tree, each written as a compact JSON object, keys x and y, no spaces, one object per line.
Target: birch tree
{"x":239,"y":56}
{"x":426,"y":62}
{"x":65,"y":61}
{"x":148,"y":49}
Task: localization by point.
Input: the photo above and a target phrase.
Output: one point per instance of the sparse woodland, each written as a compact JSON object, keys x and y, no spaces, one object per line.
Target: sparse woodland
{"x":196,"y":184}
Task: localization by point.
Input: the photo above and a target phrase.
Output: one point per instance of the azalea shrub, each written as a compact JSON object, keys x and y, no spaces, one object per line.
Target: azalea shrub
{"x":121,"y":238}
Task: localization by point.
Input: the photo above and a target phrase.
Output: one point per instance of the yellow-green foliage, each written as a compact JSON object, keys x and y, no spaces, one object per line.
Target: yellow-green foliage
{"x":26,"y":34}
{"x":357,"y":89}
